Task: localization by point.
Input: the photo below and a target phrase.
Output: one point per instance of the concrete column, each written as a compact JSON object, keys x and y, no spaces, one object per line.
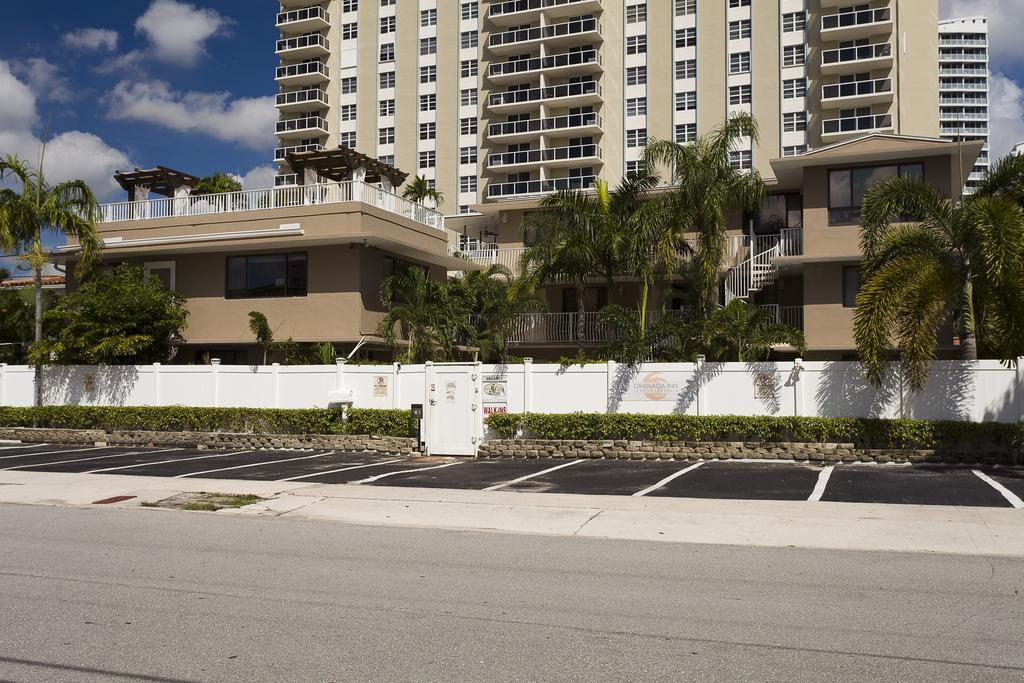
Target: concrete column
{"x":340,"y":374}
{"x":798,"y":388}
{"x":395,"y":368}
{"x":698,"y":369}
{"x":527,"y":385}
{"x":215,"y":369}
{"x":611,"y":368}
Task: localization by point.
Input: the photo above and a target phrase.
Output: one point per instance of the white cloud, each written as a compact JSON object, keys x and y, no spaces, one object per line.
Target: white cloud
{"x":178,"y":31}
{"x":127,"y":63}
{"x":91,"y":39}
{"x":248,"y":121}
{"x":69,"y":155}
{"x":1003,"y":25}
{"x":45,"y":79}
{"x":258,"y":178}
{"x":1006,"y":115}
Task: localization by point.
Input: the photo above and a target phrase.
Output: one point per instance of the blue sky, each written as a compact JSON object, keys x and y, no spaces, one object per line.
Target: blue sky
{"x":189,"y":84}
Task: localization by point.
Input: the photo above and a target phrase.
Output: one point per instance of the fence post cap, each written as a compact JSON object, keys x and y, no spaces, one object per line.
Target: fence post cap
{"x":527,"y":361}
{"x":275,"y":365}
{"x":215,"y":361}
{"x":340,"y":361}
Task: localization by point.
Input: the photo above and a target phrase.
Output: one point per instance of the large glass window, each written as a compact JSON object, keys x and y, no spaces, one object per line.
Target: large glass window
{"x":847,"y":187}
{"x":780,"y":211}
{"x":851,"y":285}
{"x":266,"y":275}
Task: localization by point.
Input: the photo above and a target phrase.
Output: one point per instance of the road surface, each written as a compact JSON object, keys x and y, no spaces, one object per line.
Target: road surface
{"x":135,"y":594}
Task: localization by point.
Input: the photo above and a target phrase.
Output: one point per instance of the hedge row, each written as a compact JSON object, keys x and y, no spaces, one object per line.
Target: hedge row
{"x":863,"y":433}
{"x":242,"y":420}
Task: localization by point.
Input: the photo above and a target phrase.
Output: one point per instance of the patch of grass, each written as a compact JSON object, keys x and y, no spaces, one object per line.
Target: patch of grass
{"x":206,"y":502}
{"x":242,"y":500}
{"x":202,"y":506}
{"x":150,"y":504}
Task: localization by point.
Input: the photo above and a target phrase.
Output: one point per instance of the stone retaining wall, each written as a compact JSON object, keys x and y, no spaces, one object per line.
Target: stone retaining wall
{"x":384,"y":444}
{"x":680,"y":450}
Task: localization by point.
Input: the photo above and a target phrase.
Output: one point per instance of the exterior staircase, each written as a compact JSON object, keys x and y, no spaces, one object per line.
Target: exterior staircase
{"x":759,"y":270}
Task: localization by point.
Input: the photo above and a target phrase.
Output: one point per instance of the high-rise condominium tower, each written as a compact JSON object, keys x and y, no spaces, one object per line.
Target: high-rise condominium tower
{"x":494,"y":101}
{"x":963,"y":86}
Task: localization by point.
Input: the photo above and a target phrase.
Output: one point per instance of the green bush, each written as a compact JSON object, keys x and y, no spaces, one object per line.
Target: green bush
{"x":245,"y":420}
{"x":862,"y":432}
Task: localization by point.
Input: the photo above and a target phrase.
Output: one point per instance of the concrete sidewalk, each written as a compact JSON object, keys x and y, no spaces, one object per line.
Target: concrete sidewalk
{"x":847,"y":526}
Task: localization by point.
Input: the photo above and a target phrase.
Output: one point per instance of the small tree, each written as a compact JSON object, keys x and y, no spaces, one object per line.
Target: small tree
{"x":217,"y":183}
{"x":260,"y":328}
{"x":15,"y":323}
{"x":420,"y":191}
{"x":117,"y":317}
{"x":425,"y":311}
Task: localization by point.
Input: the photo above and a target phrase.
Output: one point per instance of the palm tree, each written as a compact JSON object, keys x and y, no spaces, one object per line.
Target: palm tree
{"x":68,"y":208}
{"x":959,"y":259}
{"x":217,"y":183}
{"x":707,"y":191}
{"x":495,"y":301}
{"x":741,"y":332}
{"x":425,"y":310}
{"x":420,"y":191}
{"x":260,"y":328}
{"x":1004,"y":179}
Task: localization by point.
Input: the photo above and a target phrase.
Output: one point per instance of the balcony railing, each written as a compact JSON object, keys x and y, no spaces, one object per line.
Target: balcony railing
{"x":853,"y":124}
{"x":539,"y":156}
{"x":525,"y":35}
{"x":953,"y":71}
{"x":305,"y":123}
{"x":787,"y":315}
{"x":527,"y":187}
{"x":564,"y":328}
{"x":287,"y":196}
{"x":542,"y":63}
{"x":962,"y":42}
{"x":552,"y":123}
{"x":860,"y":18}
{"x":281,"y":153}
{"x":304,"y":69}
{"x":310,"y":95}
{"x":493,"y":255}
{"x":856,"y":54}
{"x":298,"y":42}
{"x":499,"y":9}
{"x":304,"y":14}
{"x":946,"y":86}
{"x":549,"y":93}
{"x":856,"y":89}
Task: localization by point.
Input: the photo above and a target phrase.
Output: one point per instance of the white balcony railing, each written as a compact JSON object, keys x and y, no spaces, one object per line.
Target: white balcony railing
{"x":288,"y":196}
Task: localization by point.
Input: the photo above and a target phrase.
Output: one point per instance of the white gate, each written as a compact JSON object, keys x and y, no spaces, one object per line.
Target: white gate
{"x":452,"y":415}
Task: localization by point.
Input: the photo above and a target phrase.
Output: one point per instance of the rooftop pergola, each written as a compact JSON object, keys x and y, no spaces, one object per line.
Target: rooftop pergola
{"x":161,"y":180}
{"x":343,"y":164}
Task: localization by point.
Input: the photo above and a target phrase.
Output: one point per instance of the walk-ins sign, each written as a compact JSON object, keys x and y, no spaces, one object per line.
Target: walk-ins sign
{"x":495,"y":392}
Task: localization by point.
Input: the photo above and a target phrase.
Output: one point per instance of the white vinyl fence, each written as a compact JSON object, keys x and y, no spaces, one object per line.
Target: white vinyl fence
{"x":981,"y":391}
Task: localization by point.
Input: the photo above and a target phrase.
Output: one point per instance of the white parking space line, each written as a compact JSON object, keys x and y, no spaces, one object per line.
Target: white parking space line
{"x":369,"y":480}
{"x":95,"y":457}
{"x":1009,"y":495}
{"x":669,"y":478}
{"x":819,"y":486}
{"x":165,"y":462}
{"x":531,"y":476}
{"x":343,"y":469}
{"x":23,"y":445}
{"x":255,"y":464}
{"x":66,"y":450}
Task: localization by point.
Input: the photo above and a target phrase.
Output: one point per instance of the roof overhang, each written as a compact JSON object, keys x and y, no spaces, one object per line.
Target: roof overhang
{"x":341,"y":163}
{"x":876,"y":148}
{"x":160,"y":180}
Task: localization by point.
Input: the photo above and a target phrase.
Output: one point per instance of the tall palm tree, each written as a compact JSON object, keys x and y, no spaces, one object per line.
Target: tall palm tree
{"x":68,"y":208}
{"x":743,"y":332}
{"x":420,"y":191}
{"x":425,"y":310}
{"x":583,"y":234}
{"x":1004,"y":179}
{"x":963,"y":259}
{"x":495,"y":301}
{"x":707,"y":191}
{"x":217,"y":183}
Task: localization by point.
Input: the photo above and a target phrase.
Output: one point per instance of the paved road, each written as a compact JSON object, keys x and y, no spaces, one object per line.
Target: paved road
{"x":782,"y":480}
{"x":103,"y":594}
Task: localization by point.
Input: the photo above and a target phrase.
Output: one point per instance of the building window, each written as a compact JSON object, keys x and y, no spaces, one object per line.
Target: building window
{"x":428,"y":102}
{"x":742,"y":159}
{"x":686,"y":132}
{"x":349,"y":31}
{"x":739,"y":63}
{"x":467,"y":155}
{"x":636,"y":45}
{"x":794,"y":122}
{"x":348,"y":112}
{"x":467,"y":126}
{"x":684,"y":7}
{"x":636,"y":14}
{"x":793,"y":55}
{"x":388,"y":159}
{"x":793,"y":150}
{"x":388,"y":3}
{"x":468,"y":68}
{"x":428,"y":17}
{"x":350,"y":5}
{"x":266,"y":275}
{"x":794,"y":21}
{"x":386,"y":136}
{"x":636,"y":106}
{"x":387,"y":79}
{"x":686,"y":37}
{"x":636,"y":75}
{"x":851,"y":286}
{"x":739,"y":3}
{"x":348,"y":85}
{"x":387,"y":25}
{"x":428,"y":74}
{"x":427,"y":159}
{"x":794,"y":87}
{"x":634,"y":167}
{"x":686,"y":68}
{"x":846,"y":188}
{"x":686,"y":100}
{"x":468,"y":97}
{"x":467,"y":183}
{"x":347,"y":139}
{"x":428,"y":46}
{"x":428,"y":131}
{"x":636,"y":137}
{"x":468,"y":39}
{"x":162,"y":271}
{"x":740,"y":94}
{"x":387,"y":108}
{"x":739,"y":29}
{"x":387,"y":52}
{"x":470,"y":10}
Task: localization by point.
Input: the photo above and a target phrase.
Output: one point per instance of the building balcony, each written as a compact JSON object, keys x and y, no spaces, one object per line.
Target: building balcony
{"x":570,"y":94}
{"x":581,"y":124}
{"x":302,"y":100}
{"x":856,"y":25}
{"x":493,"y":255}
{"x":554,"y":156}
{"x":534,"y":187}
{"x":786,"y":315}
{"x":305,"y":20}
{"x":962,"y":56}
{"x":971,"y":101}
{"x":303,"y":47}
{"x":307,"y":73}
{"x":961,"y":42}
{"x":979,"y":72}
{"x":963,"y":116}
{"x":281,"y":153}
{"x":308,"y":126}
{"x":851,"y":126}
{"x":848,"y":60}
{"x":519,"y":12}
{"x":568,"y":64}
{"x":965,"y":132}
{"x":857,"y":93}
{"x":946,"y":86}
{"x":553,"y":35}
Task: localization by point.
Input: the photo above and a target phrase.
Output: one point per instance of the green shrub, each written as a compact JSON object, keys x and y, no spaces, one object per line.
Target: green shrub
{"x":180,"y":418}
{"x":862,"y":432}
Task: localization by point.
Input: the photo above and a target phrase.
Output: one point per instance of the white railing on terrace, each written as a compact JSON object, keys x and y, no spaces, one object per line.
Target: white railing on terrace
{"x":275,"y":198}
{"x":787,"y":315}
{"x":561,"y":328}
{"x":509,"y":257}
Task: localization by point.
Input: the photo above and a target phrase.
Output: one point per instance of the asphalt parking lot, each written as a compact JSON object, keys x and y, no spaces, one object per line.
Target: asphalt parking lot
{"x":918,"y":485}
